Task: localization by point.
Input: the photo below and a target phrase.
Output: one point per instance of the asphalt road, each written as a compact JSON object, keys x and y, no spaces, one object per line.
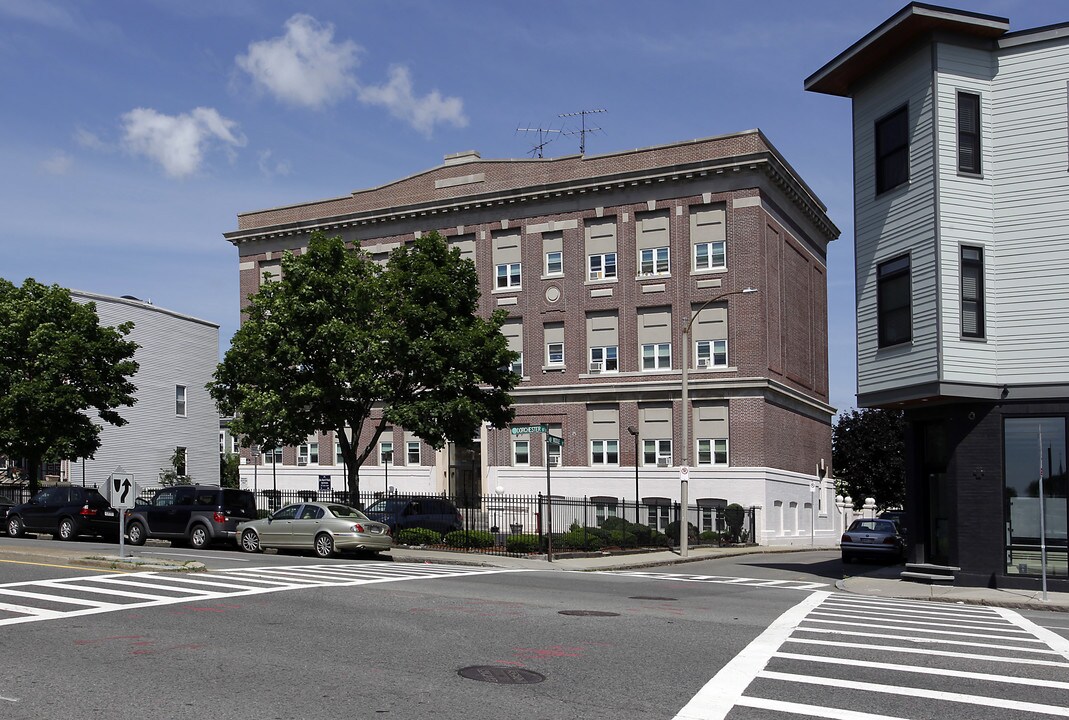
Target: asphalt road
{"x":287,"y":636}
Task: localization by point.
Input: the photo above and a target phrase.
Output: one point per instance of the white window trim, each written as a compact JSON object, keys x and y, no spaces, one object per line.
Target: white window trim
{"x":656,"y":357}
{"x":711,"y":355}
{"x":662,"y":448}
{"x":604,"y":453}
{"x":184,"y":401}
{"x":408,"y":452}
{"x":603,"y":275}
{"x":549,"y":355}
{"x":509,"y":285}
{"x":516,"y":455}
{"x":604,"y":359}
{"x":552,"y":273}
{"x":711,"y":267}
{"x":655,"y":261}
{"x":712,"y":452}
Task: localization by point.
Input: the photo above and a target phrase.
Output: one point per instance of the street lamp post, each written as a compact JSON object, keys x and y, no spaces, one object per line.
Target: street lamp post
{"x":683,"y":525}
{"x":387,"y":456}
{"x":634,"y":434}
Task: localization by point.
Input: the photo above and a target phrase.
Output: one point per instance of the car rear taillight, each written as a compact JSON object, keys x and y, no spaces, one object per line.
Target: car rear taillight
{"x":87,"y":511}
{"x":890,"y":540}
{"x":460,"y":518}
{"x":845,"y":538}
{"x":358,"y":528}
{"x":219,"y":517}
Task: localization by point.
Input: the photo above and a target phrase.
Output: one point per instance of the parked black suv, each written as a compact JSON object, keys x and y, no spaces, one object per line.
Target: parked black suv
{"x":66,"y":512}
{"x":401,"y":513}
{"x":197,"y":514}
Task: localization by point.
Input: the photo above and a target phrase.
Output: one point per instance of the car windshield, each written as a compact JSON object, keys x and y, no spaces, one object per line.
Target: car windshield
{"x":391,"y":505}
{"x":344,"y":511}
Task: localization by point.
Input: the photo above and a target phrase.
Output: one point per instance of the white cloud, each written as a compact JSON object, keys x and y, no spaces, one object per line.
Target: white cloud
{"x":305,"y":66}
{"x":58,"y":163}
{"x":178,"y":142}
{"x":422,"y":113}
{"x":270,"y":168}
{"x":88,"y":139}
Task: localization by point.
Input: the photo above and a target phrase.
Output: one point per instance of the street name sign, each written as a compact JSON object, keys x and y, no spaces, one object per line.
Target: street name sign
{"x":554,"y":440}
{"x":529,"y":429}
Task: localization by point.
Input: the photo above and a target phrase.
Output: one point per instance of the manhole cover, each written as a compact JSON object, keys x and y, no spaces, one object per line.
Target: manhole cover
{"x":651,"y":597}
{"x":501,"y":675}
{"x":589,"y":613}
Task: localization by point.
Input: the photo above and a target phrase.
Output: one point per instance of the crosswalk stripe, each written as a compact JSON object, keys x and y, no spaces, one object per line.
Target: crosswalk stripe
{"x":229,"y":583}
{"x":985,"y":700}
{"x":927,"y":651}
{"x":988,"y":677}
{"x":931,"y":632}
{"x":926,"y":640}
{"x":884,"y":617}
{"x":818,"y":711}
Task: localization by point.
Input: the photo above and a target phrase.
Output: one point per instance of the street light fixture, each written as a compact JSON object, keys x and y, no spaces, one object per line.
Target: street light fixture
{"x":683,"y":525}
{"x":634,"y":433}
{"x":387,"y":457}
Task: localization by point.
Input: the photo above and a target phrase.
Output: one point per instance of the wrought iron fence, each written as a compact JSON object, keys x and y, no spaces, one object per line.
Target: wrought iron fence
{"x":523,"y":524}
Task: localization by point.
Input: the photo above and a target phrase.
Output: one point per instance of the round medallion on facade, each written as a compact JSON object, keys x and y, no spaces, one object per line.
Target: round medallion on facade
{"x":552,"y":294}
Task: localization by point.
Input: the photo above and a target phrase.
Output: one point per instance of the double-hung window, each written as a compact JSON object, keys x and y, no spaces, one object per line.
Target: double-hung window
{"x":508,"y":275}
{"x":604,"y":359}
{"x":892,"y":150}
{"x":893,"y":307}
{"x":712,"y":353}
{"x":601,"y":267}
{"x":604,"y":452}
{"x":654,"y":261}
{"x":657,"y":356}
{"x":386,"y":452}
{"x":657,"y":452}
{"x":555,"y":263}
{"x":972,"y":292}
{"x":412,"y":457}
{"x":710,"y":255}
{"x":555,"y":353}
{"x":968,"y":133}
{"x":712,"y":451}
{"x":180,"y":400}
{"x":521,"y":452}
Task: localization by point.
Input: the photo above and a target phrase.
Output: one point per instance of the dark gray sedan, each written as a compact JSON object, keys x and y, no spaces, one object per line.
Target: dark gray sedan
{"x":324,"y":528}
{"x":873,"y":538}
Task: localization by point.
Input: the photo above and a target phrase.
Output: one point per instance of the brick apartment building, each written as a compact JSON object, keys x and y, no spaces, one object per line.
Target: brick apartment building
{"x":602,"y":261}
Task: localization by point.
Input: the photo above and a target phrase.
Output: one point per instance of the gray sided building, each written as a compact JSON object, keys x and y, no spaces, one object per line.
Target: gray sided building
{"x":961,"y":210}
{"x":176,"y":357}
{"x":601,"y":261}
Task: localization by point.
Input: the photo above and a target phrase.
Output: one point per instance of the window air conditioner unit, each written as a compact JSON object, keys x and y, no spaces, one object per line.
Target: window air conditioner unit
{"x":554,"y":461}
{"x":595,"y":367}
{"x":664,"y":461}
{"x":302,"y":461}
{"x":597,"y":274}
{"x":703,"y":362}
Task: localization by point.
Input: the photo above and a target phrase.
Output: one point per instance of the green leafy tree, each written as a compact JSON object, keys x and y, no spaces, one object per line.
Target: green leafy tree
{"x":58,"y":363}
{"x":868,"y":455}
{"x":230,"y":470}
{"x":338,"y":336}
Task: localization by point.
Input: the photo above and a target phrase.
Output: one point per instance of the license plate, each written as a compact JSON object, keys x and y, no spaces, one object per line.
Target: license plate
{"x":109,"y":513}
{"x":868,"y":540}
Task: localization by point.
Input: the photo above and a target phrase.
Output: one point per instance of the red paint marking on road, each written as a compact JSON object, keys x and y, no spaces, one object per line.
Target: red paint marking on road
{"x":173,"y":648}
{"x":552,"y":651}
{"x":108,"y":639}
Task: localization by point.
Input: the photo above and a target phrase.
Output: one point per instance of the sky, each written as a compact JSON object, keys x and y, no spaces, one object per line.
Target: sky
{"x":132,"y":132}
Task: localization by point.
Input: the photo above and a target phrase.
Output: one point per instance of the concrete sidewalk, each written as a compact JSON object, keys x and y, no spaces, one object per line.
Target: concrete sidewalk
{"x":872,"y":580}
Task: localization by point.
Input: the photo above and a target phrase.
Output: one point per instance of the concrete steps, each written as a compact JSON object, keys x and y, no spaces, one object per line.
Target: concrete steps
{"x":928,"y":573}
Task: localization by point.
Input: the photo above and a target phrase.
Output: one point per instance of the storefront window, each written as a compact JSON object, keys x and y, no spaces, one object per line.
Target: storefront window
{"x":1035,"y":454}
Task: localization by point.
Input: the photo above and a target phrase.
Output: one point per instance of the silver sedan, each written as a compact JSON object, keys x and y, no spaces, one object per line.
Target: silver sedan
{"x":324,"y":528}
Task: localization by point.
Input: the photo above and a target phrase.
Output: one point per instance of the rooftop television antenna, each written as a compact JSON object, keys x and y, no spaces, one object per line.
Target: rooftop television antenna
{"x":543,"y":139}
{"x":583,"y":129}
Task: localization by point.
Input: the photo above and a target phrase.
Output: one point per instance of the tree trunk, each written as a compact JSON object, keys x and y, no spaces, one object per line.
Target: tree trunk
{"x":33,"y":474}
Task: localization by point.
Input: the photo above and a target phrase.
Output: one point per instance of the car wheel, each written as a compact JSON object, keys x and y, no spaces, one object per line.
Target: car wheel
{"x":15,"y":527}
{"x":250,"y":542}
{"x":136,"y":533}
{"x":198,"y":537}
{"x":67,"y":531}
{"x":324,"y":545}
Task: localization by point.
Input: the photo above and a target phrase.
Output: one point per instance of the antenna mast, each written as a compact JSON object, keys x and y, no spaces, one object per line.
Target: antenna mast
{"x":543,"y":133}
{"x":583,"y":131}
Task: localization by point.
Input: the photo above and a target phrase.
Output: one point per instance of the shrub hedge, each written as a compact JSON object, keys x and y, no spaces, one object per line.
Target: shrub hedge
{"x":418,"y":536}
